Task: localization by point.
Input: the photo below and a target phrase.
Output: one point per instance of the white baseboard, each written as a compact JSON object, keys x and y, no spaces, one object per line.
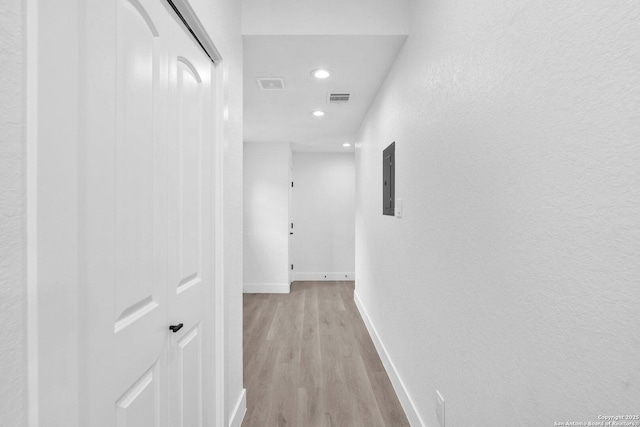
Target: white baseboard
{"x":316,"y":277}
{"x":266,"y":288}
{"x":396,"y":381}
{"x":238,"y":412}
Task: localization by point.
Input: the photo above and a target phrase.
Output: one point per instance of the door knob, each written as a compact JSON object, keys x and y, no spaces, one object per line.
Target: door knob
{"x":176,"y":328}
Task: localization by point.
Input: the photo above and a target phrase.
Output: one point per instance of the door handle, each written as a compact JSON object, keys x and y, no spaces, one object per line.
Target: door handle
{"x":291,"y":233}
{"x":176,"y":328}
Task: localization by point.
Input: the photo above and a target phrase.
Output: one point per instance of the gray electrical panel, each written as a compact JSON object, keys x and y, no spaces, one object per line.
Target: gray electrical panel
{"x":388,"y":179}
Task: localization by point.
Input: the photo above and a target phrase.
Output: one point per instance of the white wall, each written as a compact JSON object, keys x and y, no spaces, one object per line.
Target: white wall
{"x":222,"y":19}
{"x":266,"y":217}
{"x":512,"y":283}
{"x":261,"y":17}
{"x":323,"y":214}
{"x":13,"y":339}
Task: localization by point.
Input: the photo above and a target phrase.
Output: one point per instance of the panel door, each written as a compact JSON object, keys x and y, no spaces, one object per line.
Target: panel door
{"x":291,"y":241}
{"x":191,"y":135}
{"x":124,"y":193}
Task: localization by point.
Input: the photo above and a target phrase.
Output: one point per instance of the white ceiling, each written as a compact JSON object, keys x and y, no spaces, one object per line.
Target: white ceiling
{"x":358,"y":65}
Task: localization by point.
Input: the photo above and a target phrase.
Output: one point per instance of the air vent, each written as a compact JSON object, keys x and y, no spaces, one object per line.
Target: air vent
{"x":339,"y":97}
{"x":270,"y":83}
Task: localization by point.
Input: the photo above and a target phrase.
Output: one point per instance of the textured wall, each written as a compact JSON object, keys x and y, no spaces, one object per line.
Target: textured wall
{"x":13,"y":375}
{"x":266,"y":214}
{"x":323,"y":213}
{"x":512,"y":283}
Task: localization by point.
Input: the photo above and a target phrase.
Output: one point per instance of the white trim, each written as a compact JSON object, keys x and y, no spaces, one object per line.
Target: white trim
{"x":31,"y":25}
{"x":238,"y":412}
{"x":60,"y":69}
{"x":316,"y":277}
{"x":266,"y":288}
{"x":219,"y":324}
{"x":403,"y":394}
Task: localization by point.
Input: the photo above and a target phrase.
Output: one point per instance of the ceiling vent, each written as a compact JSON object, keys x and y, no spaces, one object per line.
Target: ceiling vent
{"x":270,"y":83}
{"x":339,"y":97}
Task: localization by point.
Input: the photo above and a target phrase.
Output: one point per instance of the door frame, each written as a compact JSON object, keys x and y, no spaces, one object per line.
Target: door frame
{"x":54,"y":260}
{"x":290,"y":227}
{"x":52,"y":222}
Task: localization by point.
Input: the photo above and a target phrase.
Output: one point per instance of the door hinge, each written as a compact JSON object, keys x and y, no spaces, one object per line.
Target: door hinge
{"x":292,"y":266}
{"x":292,"y":183}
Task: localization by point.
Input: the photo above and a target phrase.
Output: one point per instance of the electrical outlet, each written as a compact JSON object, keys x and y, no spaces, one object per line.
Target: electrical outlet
{"x":440,"y":408}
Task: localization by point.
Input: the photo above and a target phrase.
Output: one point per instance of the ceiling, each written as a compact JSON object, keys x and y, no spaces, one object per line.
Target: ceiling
{"x":358,"y":65}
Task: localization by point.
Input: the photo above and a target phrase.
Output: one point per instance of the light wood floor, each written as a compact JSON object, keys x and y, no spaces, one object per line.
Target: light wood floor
{"x":309,"y":361}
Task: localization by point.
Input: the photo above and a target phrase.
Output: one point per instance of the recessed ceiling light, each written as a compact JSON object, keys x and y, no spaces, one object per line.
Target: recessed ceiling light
{"x":318,"y":113}
{"x":346,"y":144}
{"x":320,"y":73}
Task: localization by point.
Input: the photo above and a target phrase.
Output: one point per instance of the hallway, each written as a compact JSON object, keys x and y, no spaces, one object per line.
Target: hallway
{"x":309,"y":361}
{"x":409,"y":212}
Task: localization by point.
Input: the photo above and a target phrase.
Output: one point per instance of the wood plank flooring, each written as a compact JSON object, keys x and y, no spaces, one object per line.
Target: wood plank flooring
{"x":309,"y":361}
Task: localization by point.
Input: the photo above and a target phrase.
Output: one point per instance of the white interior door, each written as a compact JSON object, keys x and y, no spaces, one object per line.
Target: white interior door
{"x":291,"y":230}
{"x":123,"y":378}
{"x":145,"y":219}
{"x":190,"y":224}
